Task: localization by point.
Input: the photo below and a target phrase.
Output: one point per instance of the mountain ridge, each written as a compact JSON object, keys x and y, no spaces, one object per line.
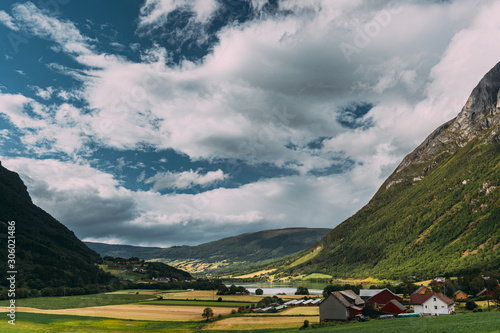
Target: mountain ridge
{"x":47,"y":253}
{"x":249,"y":247}
{"x":438,"y":213}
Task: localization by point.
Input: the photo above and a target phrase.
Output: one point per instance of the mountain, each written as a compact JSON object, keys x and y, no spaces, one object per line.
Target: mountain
{"x":249,"y":247}
{"x":47,"y":254}
{"x":438,"y":213}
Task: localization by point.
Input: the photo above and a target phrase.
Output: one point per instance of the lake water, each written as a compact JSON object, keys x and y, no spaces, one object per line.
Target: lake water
{"x":274,"y":288}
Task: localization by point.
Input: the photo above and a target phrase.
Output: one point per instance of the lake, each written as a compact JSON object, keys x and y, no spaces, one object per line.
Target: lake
{"x":274,"y":288}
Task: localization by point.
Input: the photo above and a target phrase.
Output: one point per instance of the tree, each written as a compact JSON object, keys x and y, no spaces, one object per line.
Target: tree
{"x":259,"y":292}
{"x":302,"y":291}
{"x":470,"y":305}
{"x":208,"y":313}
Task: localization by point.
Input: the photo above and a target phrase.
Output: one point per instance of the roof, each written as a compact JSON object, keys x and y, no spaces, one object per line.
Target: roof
{"x":484,"y":292}
{"x":458,"y":292}
{"x":420,"y":289}
{"x":419,"y":299}
{"x":396,"y":303}
{"x":347,"y":298}
{"x":369,"y":293}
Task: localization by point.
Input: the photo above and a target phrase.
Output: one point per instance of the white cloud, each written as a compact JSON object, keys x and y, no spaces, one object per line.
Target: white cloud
{"x":94,"y":205}
{"x":183,"y":180}
{"x":7,"y":20}
{"x":267,"y":89}
{"x":155,"y":12}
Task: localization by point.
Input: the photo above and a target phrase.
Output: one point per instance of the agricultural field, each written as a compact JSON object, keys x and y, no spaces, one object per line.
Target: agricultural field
{"x":198,"y":303}
{"x":47,"y":323}
{"x":207,"y":295}
{"x":135,"y":312}
{"x":247,"y":323}
{"x":71,"y":302}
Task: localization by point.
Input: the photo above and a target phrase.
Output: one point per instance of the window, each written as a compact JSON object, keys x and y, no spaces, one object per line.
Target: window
{"x":435,"y":307}
{"x":434,"y":299}
{"x":426,"y":306}
{"x":442,"y":306}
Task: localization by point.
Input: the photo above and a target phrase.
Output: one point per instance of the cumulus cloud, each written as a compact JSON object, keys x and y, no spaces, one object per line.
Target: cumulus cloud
{"x":184,"y":180}
{"x":319,"y":84}
{"x":155,"y":12}
{"x":94,"y":205}
{"x":7,"y":20}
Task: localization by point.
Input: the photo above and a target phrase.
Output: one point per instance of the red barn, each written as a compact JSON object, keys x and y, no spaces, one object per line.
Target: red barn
{"x":379,"y":296}
{"x":393,"y":307}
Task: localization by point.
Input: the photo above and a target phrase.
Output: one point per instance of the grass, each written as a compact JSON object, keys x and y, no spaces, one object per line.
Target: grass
{"x":34,"y":322}
{"x":71,"y":302}
{"x":474,"y":322}
{"x":198,"y":303}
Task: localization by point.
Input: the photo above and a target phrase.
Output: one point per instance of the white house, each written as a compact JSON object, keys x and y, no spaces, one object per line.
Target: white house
{"x":432,"y":304}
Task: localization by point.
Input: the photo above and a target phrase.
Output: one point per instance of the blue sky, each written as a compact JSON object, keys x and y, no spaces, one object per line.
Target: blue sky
{"x":171,"y":122}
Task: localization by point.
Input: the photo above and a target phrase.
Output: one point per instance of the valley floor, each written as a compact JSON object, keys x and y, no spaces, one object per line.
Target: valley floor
{"x":65,"y":314}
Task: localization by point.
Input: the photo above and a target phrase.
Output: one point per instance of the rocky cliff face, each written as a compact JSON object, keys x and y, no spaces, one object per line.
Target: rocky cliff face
{"x":479,"y":119}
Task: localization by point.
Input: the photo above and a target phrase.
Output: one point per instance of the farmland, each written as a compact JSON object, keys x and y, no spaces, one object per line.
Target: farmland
{"x":180,"y":311}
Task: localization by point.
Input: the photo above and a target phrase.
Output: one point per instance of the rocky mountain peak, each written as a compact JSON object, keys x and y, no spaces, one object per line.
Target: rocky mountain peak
{"x":479,"y":118}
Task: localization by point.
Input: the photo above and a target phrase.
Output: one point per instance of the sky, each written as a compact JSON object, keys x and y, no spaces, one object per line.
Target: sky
{"x":178,"y":122}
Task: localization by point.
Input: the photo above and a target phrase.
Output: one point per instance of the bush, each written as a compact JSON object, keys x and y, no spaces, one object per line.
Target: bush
{"x":470,"y":305}
{"x":302,"y":291}
{"x":259,"y":292}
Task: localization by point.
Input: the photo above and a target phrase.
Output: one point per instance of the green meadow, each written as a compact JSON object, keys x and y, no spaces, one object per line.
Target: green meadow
{"x":83,"y":301}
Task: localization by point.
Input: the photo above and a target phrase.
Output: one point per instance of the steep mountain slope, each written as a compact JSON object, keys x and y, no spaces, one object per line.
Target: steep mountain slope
{"x":250,"y":247}
{"x":47,"y":253}
{"x":438,"y":213}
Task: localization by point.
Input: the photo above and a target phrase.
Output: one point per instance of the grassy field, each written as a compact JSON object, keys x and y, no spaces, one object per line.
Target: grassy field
{"x":71,"y":302}
{"x":256,"y":323}
{"x":251,"y":275}
{"x":473,"y":322}
{"x":46,"y":323}
{"x":207,"y":295}
{"x":135,"y":312}
{"x":198,"y":303}
{"x":285,"y":322}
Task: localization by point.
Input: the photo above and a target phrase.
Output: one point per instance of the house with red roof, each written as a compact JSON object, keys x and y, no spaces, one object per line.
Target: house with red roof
{"x":432,"y":304}
{"x":378,"y":297}
{"x":393,"y":307}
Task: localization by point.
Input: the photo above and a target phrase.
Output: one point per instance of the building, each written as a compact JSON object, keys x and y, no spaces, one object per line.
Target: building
{"x":378,"y":296}
{"x":484,"y":293}
{"x":423,"y":290}
{"x":432,"y":304}
{"x":393,"y":307}
{"x":460,"y":295}
{"x":340,"y":305}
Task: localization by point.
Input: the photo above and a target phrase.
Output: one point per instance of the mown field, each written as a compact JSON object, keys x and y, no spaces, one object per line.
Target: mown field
{"x":72,"y":302}
{"x":198,"y":303}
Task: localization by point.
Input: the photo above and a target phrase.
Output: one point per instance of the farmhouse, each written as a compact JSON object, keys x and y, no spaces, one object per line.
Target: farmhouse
{"x":340,"y":305}
{"x":460,"y":295}
{"x":432,"y":304}
{"x":378,"y":296}
{"x":393,"y":307}
{"x":422,"y":290}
